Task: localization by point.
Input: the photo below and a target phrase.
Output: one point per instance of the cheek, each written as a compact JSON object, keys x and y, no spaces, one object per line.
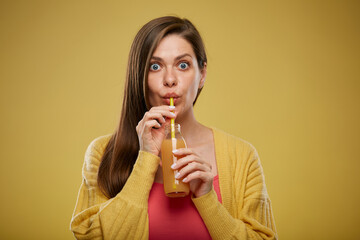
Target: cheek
{"x":195,"y":85}
{"x":152,"y":90}
{"x":192,"y":90}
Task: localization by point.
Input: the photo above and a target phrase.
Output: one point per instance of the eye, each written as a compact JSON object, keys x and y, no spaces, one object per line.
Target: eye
{"x":154,"y":67}
{"x":183,"y":65}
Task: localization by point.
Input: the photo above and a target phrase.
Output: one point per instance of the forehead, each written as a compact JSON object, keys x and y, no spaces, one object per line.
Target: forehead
{"x":173,"y":45}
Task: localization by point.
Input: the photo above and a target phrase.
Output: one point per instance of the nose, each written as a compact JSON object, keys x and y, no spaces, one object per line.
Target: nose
{"x":170,"y":78}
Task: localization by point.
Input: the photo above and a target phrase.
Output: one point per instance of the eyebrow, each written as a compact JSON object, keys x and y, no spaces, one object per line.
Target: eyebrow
{"x":177,"y":58}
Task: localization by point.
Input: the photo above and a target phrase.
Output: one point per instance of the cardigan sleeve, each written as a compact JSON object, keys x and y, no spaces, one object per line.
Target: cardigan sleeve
{"x":122,"y":217}
{"x":253,"y":218}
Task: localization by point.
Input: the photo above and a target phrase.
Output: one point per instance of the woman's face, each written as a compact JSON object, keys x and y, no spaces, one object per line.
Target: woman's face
{"x":174,"y":72}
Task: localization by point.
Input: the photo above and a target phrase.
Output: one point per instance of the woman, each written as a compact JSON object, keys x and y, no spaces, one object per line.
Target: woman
{"x":119,"y":197}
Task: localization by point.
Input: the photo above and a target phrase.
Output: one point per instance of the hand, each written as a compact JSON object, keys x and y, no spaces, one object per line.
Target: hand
{"x":194,"y":170}
{"x":151,"y":128}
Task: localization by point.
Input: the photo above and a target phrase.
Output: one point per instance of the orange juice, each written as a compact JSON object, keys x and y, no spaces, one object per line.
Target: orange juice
{"x":172,"y":187}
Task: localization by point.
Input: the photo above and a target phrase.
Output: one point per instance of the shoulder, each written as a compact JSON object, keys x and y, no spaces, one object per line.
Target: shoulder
{"x":239,"y":152}
{"x":230,"y":141}
{"x":93,"y":155}
{"x":243,"y":159}
{"x":98,"y":145}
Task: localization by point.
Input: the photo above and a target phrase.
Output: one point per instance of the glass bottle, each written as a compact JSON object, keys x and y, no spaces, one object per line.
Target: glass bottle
{"x":172,"y":187}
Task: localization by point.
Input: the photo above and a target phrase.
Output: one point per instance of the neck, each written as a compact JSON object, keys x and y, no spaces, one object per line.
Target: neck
{"x":190,"y":127}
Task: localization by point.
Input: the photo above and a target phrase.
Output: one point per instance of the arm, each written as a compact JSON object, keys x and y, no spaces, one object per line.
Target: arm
{"x":254,"y":218}
{"x":121,"y":217}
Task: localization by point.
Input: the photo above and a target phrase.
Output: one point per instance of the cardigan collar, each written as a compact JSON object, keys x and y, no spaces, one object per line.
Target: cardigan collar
{"x":223,"y":167}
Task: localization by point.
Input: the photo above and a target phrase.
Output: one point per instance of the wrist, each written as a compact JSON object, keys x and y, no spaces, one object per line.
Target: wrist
{"x":200,"y":194}
{"x":199,"y":197}
{"x":149,"y":151}
{"x":156,"y":153}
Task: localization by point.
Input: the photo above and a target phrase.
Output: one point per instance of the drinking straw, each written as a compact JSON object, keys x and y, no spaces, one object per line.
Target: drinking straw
{"x":173,"y":140}
{"x":172,"y":121}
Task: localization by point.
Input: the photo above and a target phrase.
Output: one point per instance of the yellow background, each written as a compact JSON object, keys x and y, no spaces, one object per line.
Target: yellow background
{"x":283,"y":75}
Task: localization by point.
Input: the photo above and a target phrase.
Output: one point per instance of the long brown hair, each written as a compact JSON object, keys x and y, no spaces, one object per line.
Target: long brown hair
{"x":122,"y":150}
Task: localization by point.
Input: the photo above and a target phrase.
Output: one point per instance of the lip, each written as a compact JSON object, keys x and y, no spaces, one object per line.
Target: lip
{"x":166,"y":98}
{"x":169,"y":95}
{"x":166,"y":101}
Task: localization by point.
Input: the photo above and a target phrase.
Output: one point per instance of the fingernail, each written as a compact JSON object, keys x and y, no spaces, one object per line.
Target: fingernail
{"x":173,"y":114}
{"x":177,"y":175}
{"x":171,"y":107}
{"x":184,"y":180}
{"x":173,"y":166}
{"x":175,"y":151}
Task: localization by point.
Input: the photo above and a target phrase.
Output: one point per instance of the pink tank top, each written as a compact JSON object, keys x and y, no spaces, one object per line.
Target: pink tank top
{"x":176,"y":218}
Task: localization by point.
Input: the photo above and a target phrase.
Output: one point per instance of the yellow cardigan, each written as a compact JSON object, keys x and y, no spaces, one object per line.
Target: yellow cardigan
{"x":245,"y":212}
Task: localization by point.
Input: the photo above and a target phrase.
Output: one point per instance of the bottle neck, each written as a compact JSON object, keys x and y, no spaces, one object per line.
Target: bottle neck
{"x":173,"y":131}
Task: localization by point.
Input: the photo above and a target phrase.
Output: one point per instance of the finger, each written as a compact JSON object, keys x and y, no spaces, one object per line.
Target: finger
{"x":203,"y":176}
{"x":164,"y":112}
{"x":183,"y":151}
{"x":149,"y":125}
{"x":187,"y":159}
{"x":163,"y":107}
{"x":186,"y":155}
{"x":183,"y":161}
{"x":190,"y":168}
{"x":154,"y":115}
